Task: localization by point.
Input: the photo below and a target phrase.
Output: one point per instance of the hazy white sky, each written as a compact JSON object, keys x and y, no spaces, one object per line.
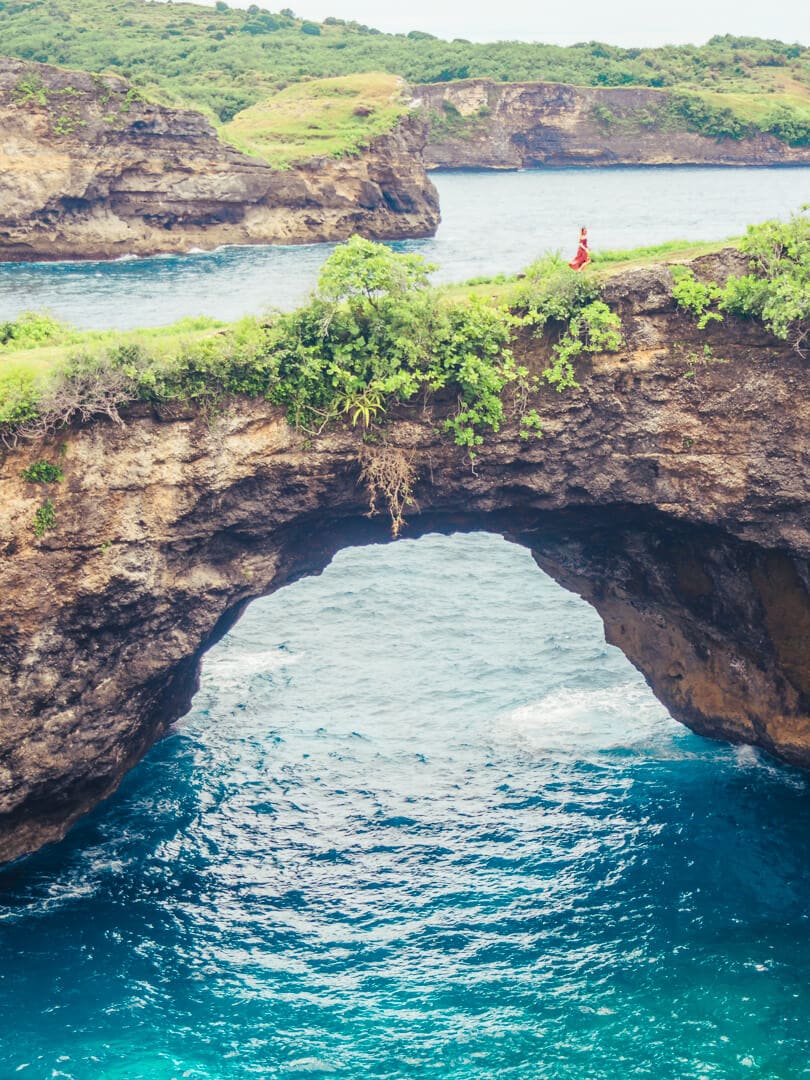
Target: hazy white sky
{"x":621,"y":22}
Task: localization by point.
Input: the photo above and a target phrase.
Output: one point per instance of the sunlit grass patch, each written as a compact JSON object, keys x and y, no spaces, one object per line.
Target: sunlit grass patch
{"x":653,"y":253}
{"x":322,"y":117}
{"x":37,"y":348}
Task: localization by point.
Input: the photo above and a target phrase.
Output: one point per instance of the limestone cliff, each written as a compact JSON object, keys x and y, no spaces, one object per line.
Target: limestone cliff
{"x":88,"y":170}
{"x":671,"y":492}
{"x":478,"y":123}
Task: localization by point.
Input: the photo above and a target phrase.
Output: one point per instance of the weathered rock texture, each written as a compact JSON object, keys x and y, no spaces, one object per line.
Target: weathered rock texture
{"x":478,"y":123}
{"x":89,"y":171}
{"x":677,"y":503}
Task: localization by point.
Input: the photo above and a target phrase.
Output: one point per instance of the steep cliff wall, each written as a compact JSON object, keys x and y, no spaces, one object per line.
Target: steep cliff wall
{"x":87,"y":170}
{"x":478,"y":123}
{"x":672,"y":493}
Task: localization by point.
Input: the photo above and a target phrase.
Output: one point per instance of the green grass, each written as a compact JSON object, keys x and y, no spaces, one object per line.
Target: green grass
{"x":29,"y":365}
{"x":499,"y":288}
{"x":375,"y":333}
{"x":44,"y":345}
{"x":322,"y":117}
{"x":669,"y":251}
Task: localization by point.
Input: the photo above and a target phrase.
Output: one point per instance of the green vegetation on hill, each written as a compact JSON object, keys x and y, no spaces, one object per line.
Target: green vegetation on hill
{"x":321,"y":117}
{"x":776,"y":291}
{"x":224,"y":60}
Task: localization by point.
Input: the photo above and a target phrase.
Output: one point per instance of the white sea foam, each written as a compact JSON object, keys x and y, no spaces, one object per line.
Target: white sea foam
{"x":224,"y":669}
{"x":575,"y":719}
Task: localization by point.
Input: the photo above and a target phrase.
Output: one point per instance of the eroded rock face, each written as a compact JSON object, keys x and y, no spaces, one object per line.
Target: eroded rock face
{"x":87,"y":171}
{"x":672,"y":493}
{"x":528,"y":125}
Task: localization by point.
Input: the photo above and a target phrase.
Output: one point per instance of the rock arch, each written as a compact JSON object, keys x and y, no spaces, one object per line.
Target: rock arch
{"x":677,"y":506}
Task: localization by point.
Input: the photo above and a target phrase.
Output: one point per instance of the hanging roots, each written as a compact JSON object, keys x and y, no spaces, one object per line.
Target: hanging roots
{"x":390,"y":476}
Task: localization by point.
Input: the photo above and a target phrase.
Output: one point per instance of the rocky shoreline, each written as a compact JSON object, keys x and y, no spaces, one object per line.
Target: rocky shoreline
{"x":478,"y":123}
{"x":89,"y":170}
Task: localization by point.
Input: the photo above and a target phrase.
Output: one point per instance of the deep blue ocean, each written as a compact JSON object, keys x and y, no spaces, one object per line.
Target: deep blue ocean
{"x":422,"y":822}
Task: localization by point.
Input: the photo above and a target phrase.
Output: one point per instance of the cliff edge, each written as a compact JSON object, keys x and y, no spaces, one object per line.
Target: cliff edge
{"x":478,"y":123}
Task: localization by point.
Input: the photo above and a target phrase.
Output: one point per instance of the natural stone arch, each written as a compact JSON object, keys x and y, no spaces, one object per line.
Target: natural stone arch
{"x":678,"y":507}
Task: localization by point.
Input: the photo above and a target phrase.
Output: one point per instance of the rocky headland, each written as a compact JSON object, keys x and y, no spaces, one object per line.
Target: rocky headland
{"x":671,"y":491}
{"x":478,"y":123}
{"x":89,"y":170}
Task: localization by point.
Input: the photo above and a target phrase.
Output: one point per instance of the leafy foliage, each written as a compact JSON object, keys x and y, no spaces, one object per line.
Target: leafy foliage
{"x":552,"y":293}
{"x":777,"y":291}
{"x":30,"y":330}
{"x":376,"y":336}
{"x":696,"y":297}
{"x":44,"y":518}
{"x":43,"y":472}
{"x":594,"y":329}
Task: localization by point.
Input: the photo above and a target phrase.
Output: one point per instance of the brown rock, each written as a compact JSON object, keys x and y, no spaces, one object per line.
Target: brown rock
{"x":528,"y":125}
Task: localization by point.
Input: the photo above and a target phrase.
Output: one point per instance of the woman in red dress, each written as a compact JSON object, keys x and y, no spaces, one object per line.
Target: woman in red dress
{"x":582,"y":257}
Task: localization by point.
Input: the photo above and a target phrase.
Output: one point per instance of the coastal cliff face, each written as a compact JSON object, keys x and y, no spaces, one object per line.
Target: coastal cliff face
{"x":671,"y":492}
{"x":88,"y":170}
{"x":478,"y":123}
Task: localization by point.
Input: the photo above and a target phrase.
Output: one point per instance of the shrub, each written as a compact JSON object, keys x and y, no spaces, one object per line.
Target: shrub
{"x":44,"y":518}
{"x":31,"y":330}
{"x":552,"y":292}
{"x":593,"y":329}
{"x":778,"y":289}
{"x":42,"y":472}
{"x":696,"y":297}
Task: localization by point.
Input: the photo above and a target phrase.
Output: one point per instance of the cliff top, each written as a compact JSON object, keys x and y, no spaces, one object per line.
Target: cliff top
{"x":376,"y":335}
{"x":317,"y":118}
{"x":38,"y":345}
{"x":320,"y":117}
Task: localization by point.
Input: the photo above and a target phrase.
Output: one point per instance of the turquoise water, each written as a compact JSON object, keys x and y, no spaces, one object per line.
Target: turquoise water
{"x":422,"y":822}
{"x":492,"y":223}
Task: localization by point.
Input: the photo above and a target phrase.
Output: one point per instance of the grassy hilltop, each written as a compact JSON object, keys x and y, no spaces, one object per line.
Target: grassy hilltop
{"x":224,"y":60}
{"x":320,"y":116}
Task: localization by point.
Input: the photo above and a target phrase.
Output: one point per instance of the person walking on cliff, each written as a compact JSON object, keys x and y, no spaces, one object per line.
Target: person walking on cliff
{"x":582,"y":257}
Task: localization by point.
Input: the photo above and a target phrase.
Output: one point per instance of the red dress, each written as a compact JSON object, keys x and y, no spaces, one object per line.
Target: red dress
{"x":582,"y":257}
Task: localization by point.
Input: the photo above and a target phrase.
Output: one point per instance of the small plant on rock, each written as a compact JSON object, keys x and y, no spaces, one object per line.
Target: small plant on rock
{"x":44,"y":519}
{"x":42,"y":472}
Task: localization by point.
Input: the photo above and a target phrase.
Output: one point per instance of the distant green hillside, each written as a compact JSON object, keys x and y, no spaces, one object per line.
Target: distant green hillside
{"x":224,"y":60}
